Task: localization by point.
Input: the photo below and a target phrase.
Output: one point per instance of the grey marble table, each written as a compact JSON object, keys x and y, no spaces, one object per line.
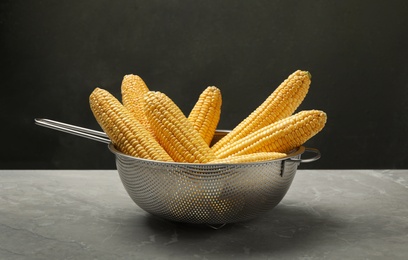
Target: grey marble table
{"x":326,"y":214}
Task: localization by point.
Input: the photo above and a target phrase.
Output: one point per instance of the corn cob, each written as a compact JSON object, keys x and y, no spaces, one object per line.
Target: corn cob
{"x":125,"y":132}
{"x":205,"y":114}
{"x":280,"y":104}
{"x":253,"y":157}
{"x":133,"y":89}
{"x":173,"y":130}
{"x":281,"y":136}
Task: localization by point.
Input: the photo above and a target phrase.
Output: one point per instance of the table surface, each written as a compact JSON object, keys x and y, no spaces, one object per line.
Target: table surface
{"x":82,"y":214}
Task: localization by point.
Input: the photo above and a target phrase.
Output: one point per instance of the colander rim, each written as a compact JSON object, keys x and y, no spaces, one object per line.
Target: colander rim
{"x":295,"y":152}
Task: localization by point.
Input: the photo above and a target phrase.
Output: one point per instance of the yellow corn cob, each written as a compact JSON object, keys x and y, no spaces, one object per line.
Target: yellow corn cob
{"x":253,"y":157}
{"x":125,"y":132}
{"x":280,"y":104}
{"x":173,"y":130}
{"x":281,"y":136}
{"x":205,"y":114}
{"x":133,"y":89}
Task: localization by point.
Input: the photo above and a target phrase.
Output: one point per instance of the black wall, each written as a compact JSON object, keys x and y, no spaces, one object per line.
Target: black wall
{"x":54,"y":53}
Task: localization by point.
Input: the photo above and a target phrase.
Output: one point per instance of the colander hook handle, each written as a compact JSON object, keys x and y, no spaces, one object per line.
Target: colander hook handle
{"x":308,"y":160}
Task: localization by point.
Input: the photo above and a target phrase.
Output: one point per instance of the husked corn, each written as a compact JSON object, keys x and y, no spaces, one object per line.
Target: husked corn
{"x":280,"y":104}
{"x":281,"y":136}
{"x":174,"y":131}
{"x":205,"y":114}
{"x":133,"y":89}
{"x":253,"y":157}
{"x":125,"y":132}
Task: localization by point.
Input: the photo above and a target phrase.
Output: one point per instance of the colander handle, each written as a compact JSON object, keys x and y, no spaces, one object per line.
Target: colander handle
{"x":73,"y":129}
{"x":308,"y":160}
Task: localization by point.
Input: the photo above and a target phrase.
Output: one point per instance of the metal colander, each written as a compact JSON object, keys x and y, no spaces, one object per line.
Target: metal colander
{"x":200,"y":193}
{"x":206,"y":193}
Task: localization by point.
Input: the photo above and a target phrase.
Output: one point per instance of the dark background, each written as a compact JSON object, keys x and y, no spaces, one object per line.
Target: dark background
{"x":54,"y":53}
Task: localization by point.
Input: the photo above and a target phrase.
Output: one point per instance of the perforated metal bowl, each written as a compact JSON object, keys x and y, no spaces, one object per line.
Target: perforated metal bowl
{"x":208,"y":193}
{"x":200,"y":193}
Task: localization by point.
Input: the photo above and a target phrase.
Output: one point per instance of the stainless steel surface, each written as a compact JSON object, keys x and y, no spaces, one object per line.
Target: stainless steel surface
{"x":308,"y":160}
{"x":206,"y":193}
{"x":72,"y":129}
{"x":200,"y":193}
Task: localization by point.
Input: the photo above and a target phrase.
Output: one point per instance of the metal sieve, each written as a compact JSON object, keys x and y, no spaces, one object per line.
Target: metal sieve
{"x":200,"y":193}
